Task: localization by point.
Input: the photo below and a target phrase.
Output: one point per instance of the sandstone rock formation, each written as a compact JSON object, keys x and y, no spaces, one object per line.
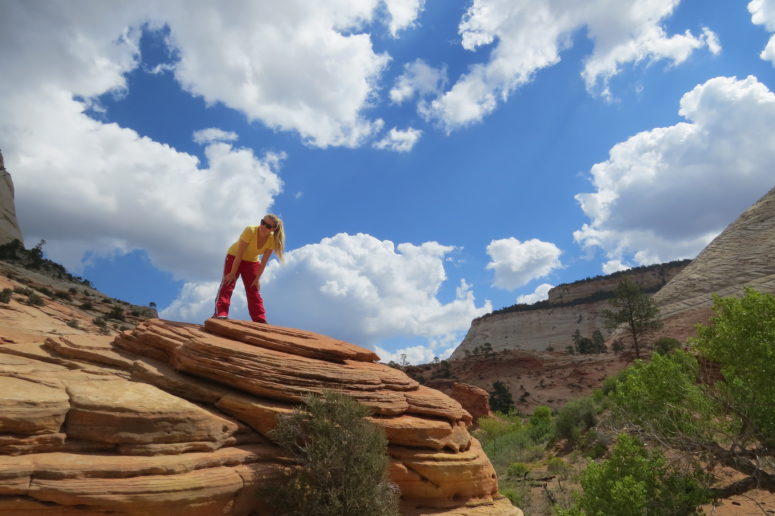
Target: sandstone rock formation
{"x":175,"y":419}
{"x":9,"y":226}
{"x":549,"y":325}
{"x":742,"y":255}
{"x":473,"y":399}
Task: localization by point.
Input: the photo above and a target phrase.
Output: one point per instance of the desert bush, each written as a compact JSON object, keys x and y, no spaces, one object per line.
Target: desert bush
{"x":117,"y":313}
{"x":5,"y":295}
{"x":517,"y":470}
{"x":73,"y":323}
{"x":665,"y":345}
{"x":635,"y":480}
{"x":35,"y":300}
{"x":500,"y":398}
{"x":86,"y":305}
{"x":574,"y":418}
{"x":23,"y":291}
{"x":100,"y":322}
{"x":342,"y":461}
{"x":540,"y":427}
{"x":557,"y":466}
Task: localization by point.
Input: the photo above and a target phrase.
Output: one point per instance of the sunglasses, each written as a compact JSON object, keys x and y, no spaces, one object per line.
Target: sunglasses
{"x":266,"y":225}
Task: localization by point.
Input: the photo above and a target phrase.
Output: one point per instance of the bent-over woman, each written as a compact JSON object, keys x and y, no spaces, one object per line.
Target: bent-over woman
{"x":247,"y":257}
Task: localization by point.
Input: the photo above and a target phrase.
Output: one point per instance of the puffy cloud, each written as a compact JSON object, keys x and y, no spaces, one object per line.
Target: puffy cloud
{"x":356,"y":288}
{"x":664,"y":194}
{"x":398,"y":140}
{"x":518,"y":263}
{"x":420,"y":79}
{"x":258,"y":58}
{"x":213,"y":134}
{"x":612,"y":266}
{"x":402,"y":13}
{"x":541,"y":293}
{"x":763,"y":13}
{"x":528,"y":35}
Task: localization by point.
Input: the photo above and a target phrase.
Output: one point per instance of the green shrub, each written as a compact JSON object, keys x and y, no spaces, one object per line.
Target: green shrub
{"x":557,"y":466}
{"x":540,"y":426}
{"x":5,"y":295}
{"x":100,"y":322}
{"x":517,"y":470}
{"x":637,"y":481}
{"x":342,"y":461}
{"x":574,"y":418}
{"x":665,"y":345}
{"x":73,"y":323}
{"x":500,"y":398}
{"x":86,"y":305}
{"x":117,"y":313}
{"x":46,"y":291}
{"x":23,"y":291}
{"x":515,"y":497}
{"x":35,"y":300}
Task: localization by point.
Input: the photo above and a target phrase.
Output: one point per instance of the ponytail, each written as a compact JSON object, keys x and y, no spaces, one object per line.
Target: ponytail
{"x":278,"y":235}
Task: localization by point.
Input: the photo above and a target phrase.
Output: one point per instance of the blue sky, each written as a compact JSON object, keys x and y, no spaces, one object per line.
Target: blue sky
{"x":432,"y":160}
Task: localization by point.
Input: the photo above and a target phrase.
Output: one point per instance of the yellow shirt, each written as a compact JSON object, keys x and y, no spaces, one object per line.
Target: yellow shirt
{"x":252,"y":251}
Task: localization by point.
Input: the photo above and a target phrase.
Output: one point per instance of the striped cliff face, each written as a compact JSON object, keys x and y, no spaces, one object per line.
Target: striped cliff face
{"x":9,"y":226}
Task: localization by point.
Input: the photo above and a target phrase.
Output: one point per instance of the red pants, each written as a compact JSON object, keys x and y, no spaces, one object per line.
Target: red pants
{"x":249,"y":272}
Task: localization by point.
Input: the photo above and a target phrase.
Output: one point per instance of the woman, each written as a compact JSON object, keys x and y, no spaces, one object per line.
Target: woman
{"x":247,"y":257}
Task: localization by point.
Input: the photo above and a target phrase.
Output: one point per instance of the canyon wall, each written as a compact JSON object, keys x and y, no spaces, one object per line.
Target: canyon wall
{"x":9,"y":227}
{"x":549,"y":325}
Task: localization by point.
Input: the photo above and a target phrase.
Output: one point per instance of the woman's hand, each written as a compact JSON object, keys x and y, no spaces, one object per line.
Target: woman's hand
{"x":230,"y":278}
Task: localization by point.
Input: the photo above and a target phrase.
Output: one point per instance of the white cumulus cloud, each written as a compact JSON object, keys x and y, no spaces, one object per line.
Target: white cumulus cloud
{"x":398,"y":140}
{"x":664,"y":194}
{"x":418,"y":78}
{"x":763,"y":13}
{"x":359,"y":289}
{"x":541,"y":293}
{"x":518,"y":263}
{"x":213,"y":134}
{"x":403,"y":14}
{"x":528,"y":35}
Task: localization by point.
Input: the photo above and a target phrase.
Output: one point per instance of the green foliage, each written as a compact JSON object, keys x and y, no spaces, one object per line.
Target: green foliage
{"x":500,"y":398}
{"x":73,"y":323}
{"x":540,"y":426}
{"x":663,"y":396}
{"x":5,"y":295}
{"x":665,"y":345}
{"x":342,"y":461}
{"x":741,"y":337}
{"x":518,"y":470}
{"x":35,"y":300}
{"x":86,"y":305}
{"x":117,"y":313}
{"x":14,"y":252}
{"x":557,"y":466}
{"x":100,"y":322}
{"x":633,"y":309}
{"x":574,"y":418}
{"x":635,"y":481}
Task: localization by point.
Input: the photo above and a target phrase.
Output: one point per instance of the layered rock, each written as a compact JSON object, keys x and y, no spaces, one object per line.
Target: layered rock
{"x":549,"y":325}
{"x":742,"y":255}
{"x":174,"y":418}
{"x":9,"y":226}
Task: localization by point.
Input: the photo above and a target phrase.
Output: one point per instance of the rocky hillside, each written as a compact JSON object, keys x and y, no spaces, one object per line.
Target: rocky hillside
{"x":9,"y":226}
{"x":549,"y":325}
{"x":742,"y":255}
{"x":173,"y":418}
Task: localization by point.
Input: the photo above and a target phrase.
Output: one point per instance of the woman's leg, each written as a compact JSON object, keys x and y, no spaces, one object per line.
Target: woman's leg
{"x":249,"y":272}
{"x":223,"y":298}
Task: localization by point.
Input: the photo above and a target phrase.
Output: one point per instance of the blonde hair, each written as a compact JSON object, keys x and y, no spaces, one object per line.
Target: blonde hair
{"x":278,"y":235}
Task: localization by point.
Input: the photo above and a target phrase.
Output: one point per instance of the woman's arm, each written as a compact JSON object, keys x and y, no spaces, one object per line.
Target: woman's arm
{"x":264,"y":260}
{"x":232,"y":275}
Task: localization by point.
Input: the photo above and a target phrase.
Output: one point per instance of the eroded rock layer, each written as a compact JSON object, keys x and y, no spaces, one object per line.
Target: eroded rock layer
{"x":174,"y":418}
